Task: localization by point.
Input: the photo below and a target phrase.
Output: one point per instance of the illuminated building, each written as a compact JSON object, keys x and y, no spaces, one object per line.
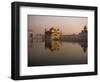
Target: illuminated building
{"x":52,"y":34}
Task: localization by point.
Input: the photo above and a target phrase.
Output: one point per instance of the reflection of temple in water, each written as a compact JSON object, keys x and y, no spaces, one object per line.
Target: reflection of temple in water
{"x":52,"y":45}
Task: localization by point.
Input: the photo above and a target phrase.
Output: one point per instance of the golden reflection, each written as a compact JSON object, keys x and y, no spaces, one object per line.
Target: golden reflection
{"x":52,"y":45}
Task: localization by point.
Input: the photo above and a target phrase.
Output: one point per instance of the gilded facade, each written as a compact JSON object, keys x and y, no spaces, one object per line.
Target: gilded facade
{"x":52,"y":34}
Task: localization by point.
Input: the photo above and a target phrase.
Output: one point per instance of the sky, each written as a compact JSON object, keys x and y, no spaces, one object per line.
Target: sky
{"x":68,"y":25}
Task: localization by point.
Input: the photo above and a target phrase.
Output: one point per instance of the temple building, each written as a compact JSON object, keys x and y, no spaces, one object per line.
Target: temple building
{"x":52,"y":34}
{"x":83,"y":35}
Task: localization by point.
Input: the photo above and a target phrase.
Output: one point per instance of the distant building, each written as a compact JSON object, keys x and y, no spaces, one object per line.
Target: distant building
{"x":34,"y":36}
{"x":72,"y":37}
{"x":83,"y":35}
{"x":30,"y":33}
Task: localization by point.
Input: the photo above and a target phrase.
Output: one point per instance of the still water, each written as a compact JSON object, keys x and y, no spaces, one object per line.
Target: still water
{"x":44,"y":53}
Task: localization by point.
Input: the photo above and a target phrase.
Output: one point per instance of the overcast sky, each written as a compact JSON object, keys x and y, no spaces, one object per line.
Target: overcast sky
{"x":68,"y":25}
